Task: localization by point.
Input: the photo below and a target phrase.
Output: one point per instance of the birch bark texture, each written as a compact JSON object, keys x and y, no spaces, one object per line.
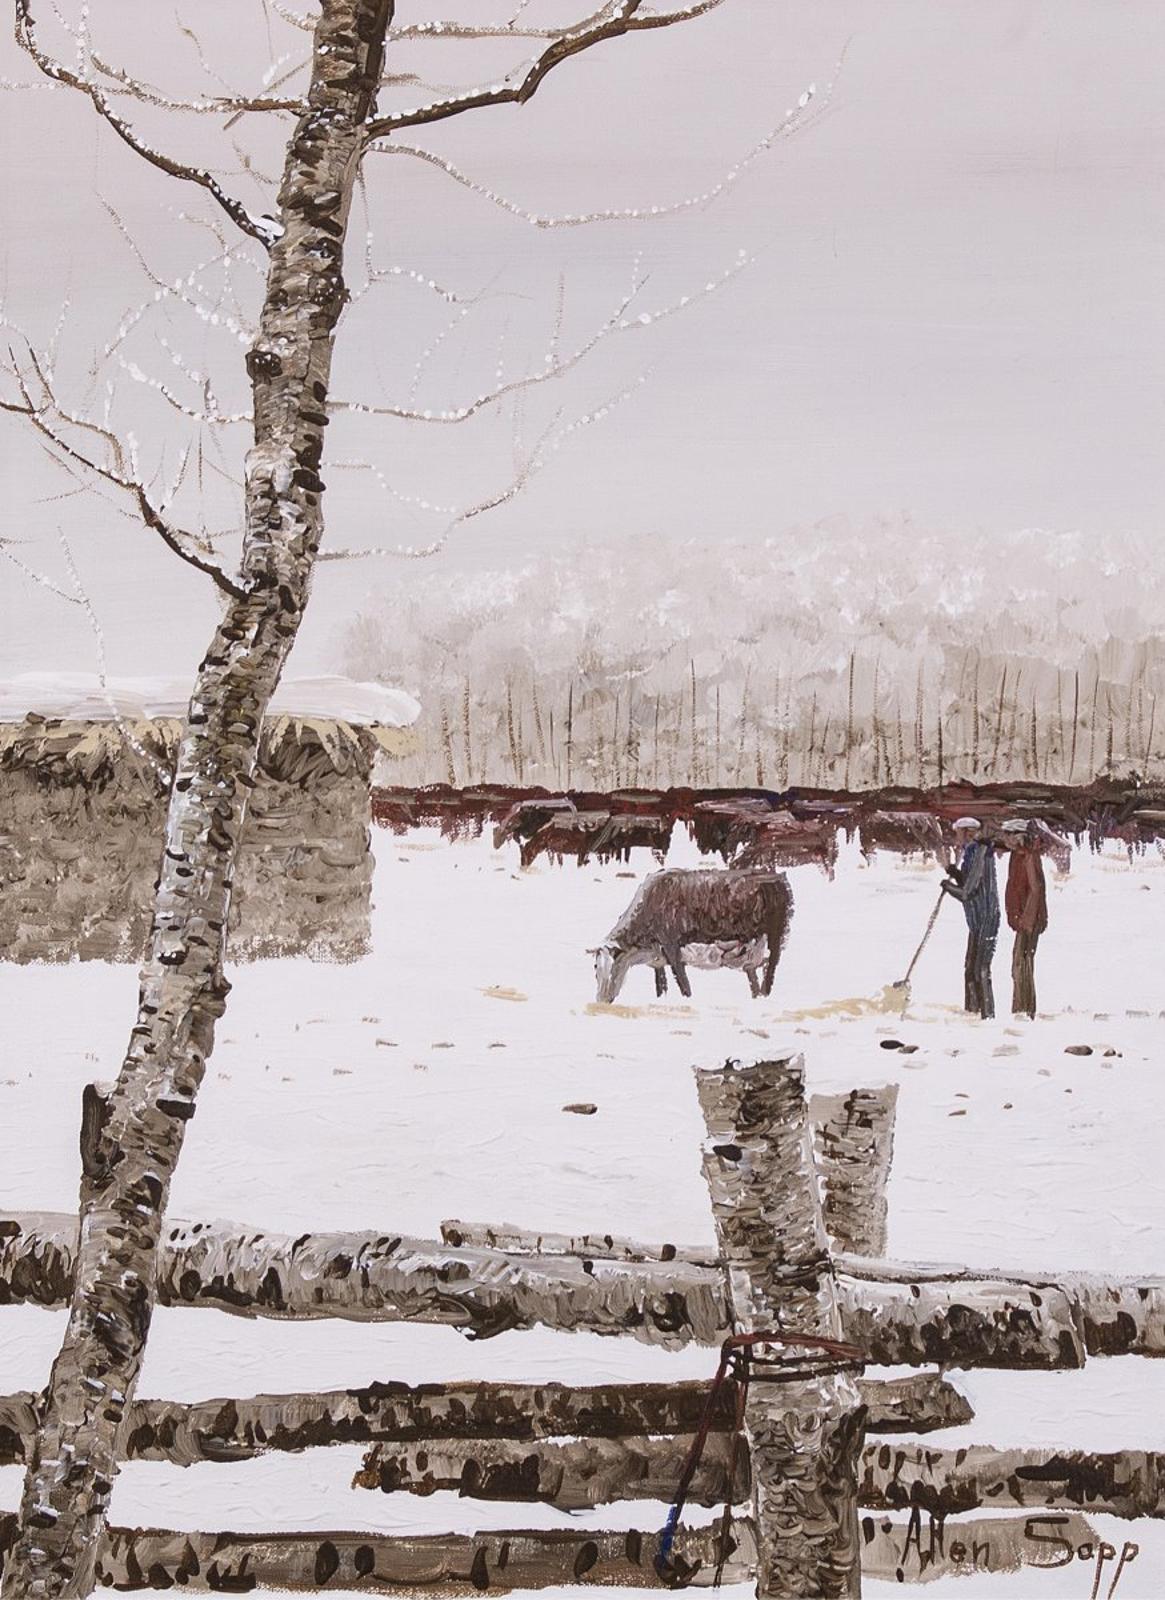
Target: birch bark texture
{"x":129,"y":1161}
{"x":234,"y":1429}
{"x":449,"y":1565}
{"x":804,"y":1431}
{"x":854,"y":1138}
{"x":577,"y":1474}
{"x":900,"y":1313}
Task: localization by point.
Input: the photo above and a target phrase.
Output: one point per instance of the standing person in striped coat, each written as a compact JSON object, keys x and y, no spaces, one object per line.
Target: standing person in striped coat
{"x":972,"y":883}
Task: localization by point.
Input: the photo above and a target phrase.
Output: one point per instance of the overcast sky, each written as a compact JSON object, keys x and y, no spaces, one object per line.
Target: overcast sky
{"x":952,"y":312}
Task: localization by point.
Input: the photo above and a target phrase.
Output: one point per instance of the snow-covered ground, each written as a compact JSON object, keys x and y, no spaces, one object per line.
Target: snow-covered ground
{"x":429,"y":1081}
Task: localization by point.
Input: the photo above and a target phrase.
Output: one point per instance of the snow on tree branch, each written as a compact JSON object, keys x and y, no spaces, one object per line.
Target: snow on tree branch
{"x":51,"y":421}
{"x":795,"y":120}
{"x":512,"y":29}
{"x":555,"y":366}
{"x":549,"y":444}
{"x":438,"y":29}
{"x":34,"y":576}
{"x":210,"y":105}
{"x":614,"y":19}
{"x":262,"y":228}
{"x":145,"y":756}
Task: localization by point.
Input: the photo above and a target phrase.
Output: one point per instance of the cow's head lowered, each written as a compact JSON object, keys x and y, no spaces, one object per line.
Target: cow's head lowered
{"x":611,"y":965}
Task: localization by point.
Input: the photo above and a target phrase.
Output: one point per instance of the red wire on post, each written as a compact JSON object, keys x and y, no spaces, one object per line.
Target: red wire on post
{"x":736,"y":1360}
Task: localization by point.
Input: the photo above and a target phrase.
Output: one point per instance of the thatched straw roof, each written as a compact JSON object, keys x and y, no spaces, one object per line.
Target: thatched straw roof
{"x":64,"y":732}
{"x":83,"y":697}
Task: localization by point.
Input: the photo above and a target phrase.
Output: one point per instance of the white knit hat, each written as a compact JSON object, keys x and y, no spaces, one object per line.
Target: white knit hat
{"x":970,"y":823}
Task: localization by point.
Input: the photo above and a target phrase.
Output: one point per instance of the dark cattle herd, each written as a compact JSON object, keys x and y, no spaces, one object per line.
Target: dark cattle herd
{"x":768,"y":829}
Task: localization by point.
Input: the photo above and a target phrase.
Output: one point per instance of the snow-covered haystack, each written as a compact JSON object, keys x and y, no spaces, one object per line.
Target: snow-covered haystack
{"x":82,"y":809}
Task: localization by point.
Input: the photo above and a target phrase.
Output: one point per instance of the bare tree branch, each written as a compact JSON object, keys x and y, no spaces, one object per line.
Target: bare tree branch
{"x":438,"y":29}
{"x":145,"y":756}
{"x":794,"y":121}
{"x":613,"y":20}
{"x":511,"y":30}
{"x":40,"y":413}
{"x":555,"y":366}
{"x":261,"y":228}
{"x":207,"y":105}
{"x":226,"y":258}
{"x":526,"y":468}
{"x":36,"y":577}
{"x":296,"y":18}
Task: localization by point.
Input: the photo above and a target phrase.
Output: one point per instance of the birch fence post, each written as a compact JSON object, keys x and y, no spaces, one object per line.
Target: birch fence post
{"x":854,"y":1138}
{"x":804,"y":1432}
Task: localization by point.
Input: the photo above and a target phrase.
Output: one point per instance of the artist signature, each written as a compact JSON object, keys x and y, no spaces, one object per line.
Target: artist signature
{"x":1063,"y":1551}
{"x":1048,"y":1541}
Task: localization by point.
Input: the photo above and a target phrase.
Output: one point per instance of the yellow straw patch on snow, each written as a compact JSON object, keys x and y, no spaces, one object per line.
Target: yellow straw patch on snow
{"x":891,"y":1002}
{"x":598,"y":1009}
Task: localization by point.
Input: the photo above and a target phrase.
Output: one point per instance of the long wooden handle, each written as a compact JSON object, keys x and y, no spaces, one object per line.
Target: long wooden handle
{"x":922,"y":943}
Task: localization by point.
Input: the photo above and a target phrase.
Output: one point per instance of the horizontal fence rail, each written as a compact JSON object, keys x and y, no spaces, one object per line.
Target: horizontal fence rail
{"x":582,"y":1473}
{"x":454,"y":1565}
{"x":900,"y":1314}
{"x":436,"y":1413}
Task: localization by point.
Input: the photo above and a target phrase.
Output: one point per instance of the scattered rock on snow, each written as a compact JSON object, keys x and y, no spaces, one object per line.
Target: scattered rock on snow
{"x":1077,"y":1049}
{"x":584,"y":1108}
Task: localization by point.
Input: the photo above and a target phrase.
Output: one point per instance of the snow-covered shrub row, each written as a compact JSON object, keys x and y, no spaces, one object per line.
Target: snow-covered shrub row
{"x":826,"y":655}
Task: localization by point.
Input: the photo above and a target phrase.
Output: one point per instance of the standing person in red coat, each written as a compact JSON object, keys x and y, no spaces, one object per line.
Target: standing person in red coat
{"x":1026,"y":903}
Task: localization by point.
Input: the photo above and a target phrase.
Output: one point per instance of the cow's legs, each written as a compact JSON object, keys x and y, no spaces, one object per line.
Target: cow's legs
{"x":766,"y":987}
{"x":675,"y":961}
{"x":753,"y":976}
{"x":777,"y":933}
{"x":660,"y":981}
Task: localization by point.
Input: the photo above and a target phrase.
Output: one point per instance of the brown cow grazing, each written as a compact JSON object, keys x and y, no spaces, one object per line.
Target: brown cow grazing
{"x":707,"y":918}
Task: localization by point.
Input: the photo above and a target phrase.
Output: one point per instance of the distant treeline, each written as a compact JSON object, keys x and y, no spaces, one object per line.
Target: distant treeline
{"x":820,"y":661}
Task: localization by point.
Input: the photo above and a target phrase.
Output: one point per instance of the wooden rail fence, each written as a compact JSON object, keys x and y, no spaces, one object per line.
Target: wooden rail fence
{"x":798,"y":1193}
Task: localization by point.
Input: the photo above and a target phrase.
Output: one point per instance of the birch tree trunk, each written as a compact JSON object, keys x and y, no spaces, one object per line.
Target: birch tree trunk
{"x":134,"y":1143}
{"x":805,"y":1428}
